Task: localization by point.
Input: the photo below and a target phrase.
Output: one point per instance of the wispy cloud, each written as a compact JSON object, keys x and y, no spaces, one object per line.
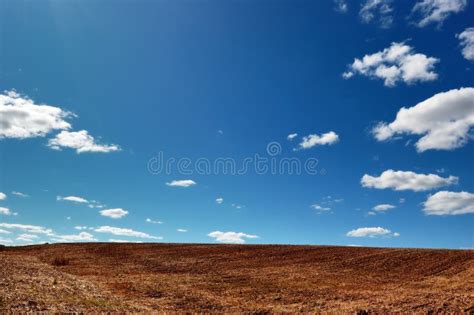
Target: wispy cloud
{"x":74,"y":199}
{"x":27,"y":238}
{"x":35,"y":229}
{"x":181,"y":183}
{"x":6,"y":211}
{"x":377,"y":10}
{"x":436,"y":11}
{"x":153,"y":221}
{"x":81,"y":237}
{"x":320,"y":208}
{"x":291,"y":136}
{"x":466,"y":39}
{"x":125,"y":232}
{"x":383,"y":207}
{"x":19,"y":194}
{"x":341,"y":6}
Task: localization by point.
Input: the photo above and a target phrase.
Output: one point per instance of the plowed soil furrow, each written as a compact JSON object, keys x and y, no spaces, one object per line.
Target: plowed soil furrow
{"x":234,"y":278}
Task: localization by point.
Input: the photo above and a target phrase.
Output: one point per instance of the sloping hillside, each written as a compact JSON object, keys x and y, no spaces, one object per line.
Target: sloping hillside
{"x":260,"y":278}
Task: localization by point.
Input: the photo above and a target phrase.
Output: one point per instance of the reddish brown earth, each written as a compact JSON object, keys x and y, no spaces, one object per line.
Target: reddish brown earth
{"x":235,"y":278}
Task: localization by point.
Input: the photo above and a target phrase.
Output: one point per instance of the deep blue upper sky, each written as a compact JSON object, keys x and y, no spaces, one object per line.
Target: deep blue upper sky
{"x":223,"y":79}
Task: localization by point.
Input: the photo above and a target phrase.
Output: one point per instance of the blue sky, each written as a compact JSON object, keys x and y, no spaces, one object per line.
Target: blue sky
{"x":93,"y":91}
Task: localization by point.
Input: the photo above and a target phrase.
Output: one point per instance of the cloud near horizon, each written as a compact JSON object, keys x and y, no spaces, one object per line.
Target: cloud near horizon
{"x":371,"y":232}
{"x":125,"y":232}
{"x":34,"y":229}
{"x":231,"y":237}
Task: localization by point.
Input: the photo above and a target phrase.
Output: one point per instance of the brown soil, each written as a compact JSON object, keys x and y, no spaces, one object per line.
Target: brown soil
{"x":235,"y":278}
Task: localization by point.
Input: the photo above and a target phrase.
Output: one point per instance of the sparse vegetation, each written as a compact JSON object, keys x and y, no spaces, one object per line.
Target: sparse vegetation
{"x":60,"y":261}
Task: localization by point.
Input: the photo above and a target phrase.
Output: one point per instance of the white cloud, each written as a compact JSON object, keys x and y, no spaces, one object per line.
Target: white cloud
{"x":291,"y":136}
{"x":81,"y":237}
{"x":27,"y":228}
{"x":94,"y":204}
{"x":467,"y":42}
{"x":449,"y":203}
{"x":436,"y":11}
{"x":124,"y":232}
{"x":21,"y":118}
{"x":383,"y":207}
{"x":73,"y":199}
{"x":114,"y":213}
{"x":3,"y":196}
{"x":6,"y":211}
{"x":5,"y":241}
{"x":181,"y":183}
{"x":320,"y":208}
{"x":406,"y":180}
{"x":382,"y":9}
{"x":153,"y":221}
{"x":113,"y":240}
{"x":182,"y":230}
{"x":443,"y":121}
{"x":4,"y":231}
{"x":19,"y":194}
{"x":219,"y":200}
{"x":401,"y":200}
{"x":397,"y":63}
{"x":315,"y":140}
{"x":81,"y":227}
{"x":80,"y":141}
{"x":371,"y":232}
{"x":231,"y":237}
{"x":27,"y":237}
{"x":341,"y":6}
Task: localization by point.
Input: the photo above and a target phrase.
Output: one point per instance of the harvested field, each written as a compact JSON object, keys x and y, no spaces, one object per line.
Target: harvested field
{"x":234,"y":278}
